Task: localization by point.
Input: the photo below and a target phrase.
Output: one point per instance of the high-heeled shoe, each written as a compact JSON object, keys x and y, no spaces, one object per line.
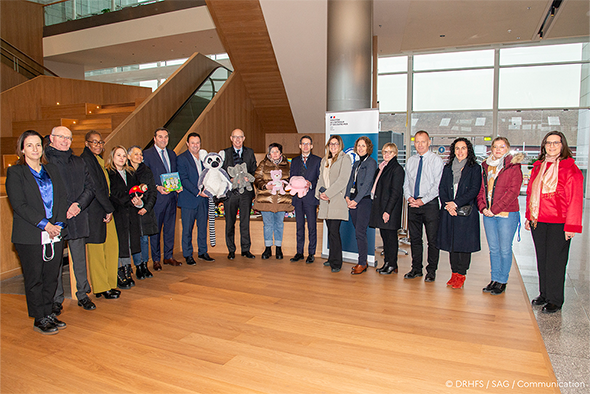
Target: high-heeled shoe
{"x":388,"y":270}
{"x":459,"y":281}
{"x":385,"y":264}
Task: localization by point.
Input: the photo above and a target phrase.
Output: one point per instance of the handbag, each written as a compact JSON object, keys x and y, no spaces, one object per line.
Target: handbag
{"x":465,"y":210}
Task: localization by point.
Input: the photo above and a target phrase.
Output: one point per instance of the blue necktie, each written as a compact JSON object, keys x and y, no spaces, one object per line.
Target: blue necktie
{"x":418,"y":177}
{"x":164,"y":161}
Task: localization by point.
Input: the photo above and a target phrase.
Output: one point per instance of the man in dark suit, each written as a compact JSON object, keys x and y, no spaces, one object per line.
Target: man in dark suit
{"x":162,"y":160}
{"x":308,"y":166}
{"x":238,"y":154}
{"x":194,"y":205}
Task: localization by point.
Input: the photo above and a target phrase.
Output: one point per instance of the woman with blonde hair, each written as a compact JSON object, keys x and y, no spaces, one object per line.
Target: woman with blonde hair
{"x":335,"y":171}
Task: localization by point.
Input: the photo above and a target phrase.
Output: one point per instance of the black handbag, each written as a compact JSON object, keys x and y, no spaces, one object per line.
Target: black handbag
{"x":465,"y":210}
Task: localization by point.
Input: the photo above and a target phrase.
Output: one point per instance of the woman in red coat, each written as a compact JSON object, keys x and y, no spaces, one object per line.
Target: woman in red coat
{"x":554,"y":215}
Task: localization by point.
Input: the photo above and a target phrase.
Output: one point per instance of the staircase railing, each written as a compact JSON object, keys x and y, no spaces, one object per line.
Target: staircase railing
{"x":21,"y":62}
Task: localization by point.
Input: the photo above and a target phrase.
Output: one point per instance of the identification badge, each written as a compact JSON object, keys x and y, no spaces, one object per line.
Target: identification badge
{"x":46,"y":239}
{"x":352,"y":190}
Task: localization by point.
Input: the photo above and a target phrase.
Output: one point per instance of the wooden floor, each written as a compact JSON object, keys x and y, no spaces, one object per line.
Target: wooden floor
{"x":268,"y":326}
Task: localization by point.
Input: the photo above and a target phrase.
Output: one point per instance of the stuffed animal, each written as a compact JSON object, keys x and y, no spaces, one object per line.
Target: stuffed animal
{"x":214,"y":181}
{"x":276,"y":185}
{"x":138,"y":190}
{"x":242,"y":179}
{"x":297,"y":185}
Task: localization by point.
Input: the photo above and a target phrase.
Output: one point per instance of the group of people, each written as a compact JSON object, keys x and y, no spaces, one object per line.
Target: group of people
{"x":112,"y":210}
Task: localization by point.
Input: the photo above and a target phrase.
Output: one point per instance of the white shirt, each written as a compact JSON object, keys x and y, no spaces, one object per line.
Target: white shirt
{"x":198,"y":164}
{"x":432,"y":169}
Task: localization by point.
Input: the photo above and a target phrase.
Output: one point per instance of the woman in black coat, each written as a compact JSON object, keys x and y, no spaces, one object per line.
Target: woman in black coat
{"x":458,"y":231}
{"x":39,"y":202}
{"x":386,"y":211}
{"x":126,"y":216}
{"x":148,"y":221}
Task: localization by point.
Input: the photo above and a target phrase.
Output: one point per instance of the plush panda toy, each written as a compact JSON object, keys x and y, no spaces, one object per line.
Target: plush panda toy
{"x":214,"y":181}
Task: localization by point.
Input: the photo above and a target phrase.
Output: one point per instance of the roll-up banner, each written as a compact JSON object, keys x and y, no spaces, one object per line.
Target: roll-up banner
{"x":351,"y":125}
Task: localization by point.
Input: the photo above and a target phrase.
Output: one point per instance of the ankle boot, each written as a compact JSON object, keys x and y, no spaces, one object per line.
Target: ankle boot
{"x":146,"y":271}
{"x":267,"y":253}
{"x":128,"y":272}
{"x":139,"y":274}
{"x":453,"y":279}
{"x":122,"y":282}
{"x":383,"y":267}
{"x":279,"y":254}
{"x":459,"y":281}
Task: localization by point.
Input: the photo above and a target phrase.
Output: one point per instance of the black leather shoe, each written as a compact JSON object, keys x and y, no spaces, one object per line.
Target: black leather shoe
{"x":498,"y":289}
{"x":206,"y":257}
{"x":385,"y":264}
{"x":190,"y":260}
{"x":387,"y":270}
{"x":122,"y":282}
{"x":327,"y":263}
{"x":335,"y":269}
{"x":86,"y":304}
{"x":115,"y":291}
{"x":430,"y":277}
{"x":146,"y":271}
{"x":310,"y":259}
{"x":248,"y":255}
{"x":56,"y":308}
{"x":57,"y":323}
{"x":266,"y":254}
{"x":45,"y":326}
{"x":297,"y":257}
{"x":109,"y":295}
{"x":538,"y":301}
{"x":412,"y":274}
{"x":279,"y":253}
{"x":128,"y":274}
{"x":139,"y":272}
{"x":550,"y":308}
{"x":231,"y":255}
{"x":489,"y":287}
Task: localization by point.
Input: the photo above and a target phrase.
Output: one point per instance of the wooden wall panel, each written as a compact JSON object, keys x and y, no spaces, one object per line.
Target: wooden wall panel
{"x":9,"y":262}
{"x":10,"y":78}
{"x":242,"y":30}
{"x":158,"y":108}
{"x":22,"y":26}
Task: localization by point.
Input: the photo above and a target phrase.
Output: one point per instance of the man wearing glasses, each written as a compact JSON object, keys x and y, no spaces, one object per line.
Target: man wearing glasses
{"x":238,"y":154}
{"x":308,"y":166}
{"x":80,"y":193}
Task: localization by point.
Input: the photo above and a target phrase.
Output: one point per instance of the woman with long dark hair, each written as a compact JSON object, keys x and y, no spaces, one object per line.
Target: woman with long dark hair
{"x":39,"y":202}
{"x":555,"y":198}
{"x":458,"y":231}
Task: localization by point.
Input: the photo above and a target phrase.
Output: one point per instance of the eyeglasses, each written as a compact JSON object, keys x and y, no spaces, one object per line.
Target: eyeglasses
{"x":554,"y":143}
{"x":63,"y":137}
{"x":95,"y":143}
{"x":238,"y":137}
{"x":306,"y":143}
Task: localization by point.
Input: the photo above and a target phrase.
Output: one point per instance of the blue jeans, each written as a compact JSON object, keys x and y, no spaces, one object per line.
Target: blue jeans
{"x":500,"y":234}
{"x":273,"y":224}
{"x":145,"y":248}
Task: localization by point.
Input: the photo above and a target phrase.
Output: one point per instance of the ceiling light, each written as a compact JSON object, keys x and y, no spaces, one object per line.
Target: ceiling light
{"x":549,"y":18}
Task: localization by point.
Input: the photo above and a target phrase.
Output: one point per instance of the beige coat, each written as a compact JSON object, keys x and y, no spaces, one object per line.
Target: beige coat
{"x":340,"y":171}
{"x":265,"y":201}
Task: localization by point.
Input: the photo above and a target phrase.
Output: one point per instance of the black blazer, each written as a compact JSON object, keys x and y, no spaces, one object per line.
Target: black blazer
{"x":389,"y":197}
{"x":125,"y":215}
{"x":27,"y":204}
{"x":249,"y":159}
{"x":311,"y":173}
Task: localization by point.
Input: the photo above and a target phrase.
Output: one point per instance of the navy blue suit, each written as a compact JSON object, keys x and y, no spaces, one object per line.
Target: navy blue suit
{"x":165,"y":208}
{"x":305,"y":207}
{"x":192,"y":206}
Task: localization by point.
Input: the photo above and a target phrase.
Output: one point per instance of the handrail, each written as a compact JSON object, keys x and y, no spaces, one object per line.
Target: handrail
{"x":22,"y":60}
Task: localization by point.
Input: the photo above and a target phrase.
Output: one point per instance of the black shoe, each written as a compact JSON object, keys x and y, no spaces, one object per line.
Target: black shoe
{"x":128,"y":272}
{"x":56,"y":308}
{"x":385,"y":264}
{"x":231,"y":255}
{"x":122,"y":282}
{"x":335,"y":269}
{"x":115,"y":291}
{"x":327,"y":263}
{"x":146,"y":271}
{"x":206,"y":257}
{"x":550,"y":308}
{"x":109,"y":295}
{"x":489,"y":287}
{"x":412,"y":274}
{"x":266,"y":254}
{"x":248,"y":255}
{"x":87,"y":304}
{"x":45,"y":326}
{"x":57,"y":323}
{"x":297,"y":257}
{"x":538,"y":301}
{"x":430,"y":277}
{"x":498,"y":289}
{"x":387,"y":270}
{"x":190,"y":260}
{"x":310,"y":259}
{"x":139,"y":273}
{"x":279,"y":253}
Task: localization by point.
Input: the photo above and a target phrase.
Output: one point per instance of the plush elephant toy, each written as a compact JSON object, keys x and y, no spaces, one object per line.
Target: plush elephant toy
{"x":241,"y":178}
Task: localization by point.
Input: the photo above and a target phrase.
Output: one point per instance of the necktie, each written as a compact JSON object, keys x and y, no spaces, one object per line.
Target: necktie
{"x":418,"y":177}
{"x":305,"y":161}
{"x":164,"y":161}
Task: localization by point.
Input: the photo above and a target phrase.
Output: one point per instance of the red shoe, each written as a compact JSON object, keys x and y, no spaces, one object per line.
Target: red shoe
{"x":453,"y":279}
{"x":459,"y":281}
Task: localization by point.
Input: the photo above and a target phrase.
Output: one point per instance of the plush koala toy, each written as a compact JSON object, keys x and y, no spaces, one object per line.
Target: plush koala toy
{"x":214,"y":181}
{"x":276,"y":185}
{"x":242,"y":179}
{"x":297,"y":185}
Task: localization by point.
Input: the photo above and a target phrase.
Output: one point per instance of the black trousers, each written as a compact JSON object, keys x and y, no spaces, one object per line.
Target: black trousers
{"x":40,"y":276}
{"x":234,"y":201}
{"x":428,"y":216}
{"x":335,"y":243}
{"x":460,"y":262}
{"x":552,"y":254}
{"x":360,"y":220}
{"x":390,"y":246}
{"x":306,"y":211}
